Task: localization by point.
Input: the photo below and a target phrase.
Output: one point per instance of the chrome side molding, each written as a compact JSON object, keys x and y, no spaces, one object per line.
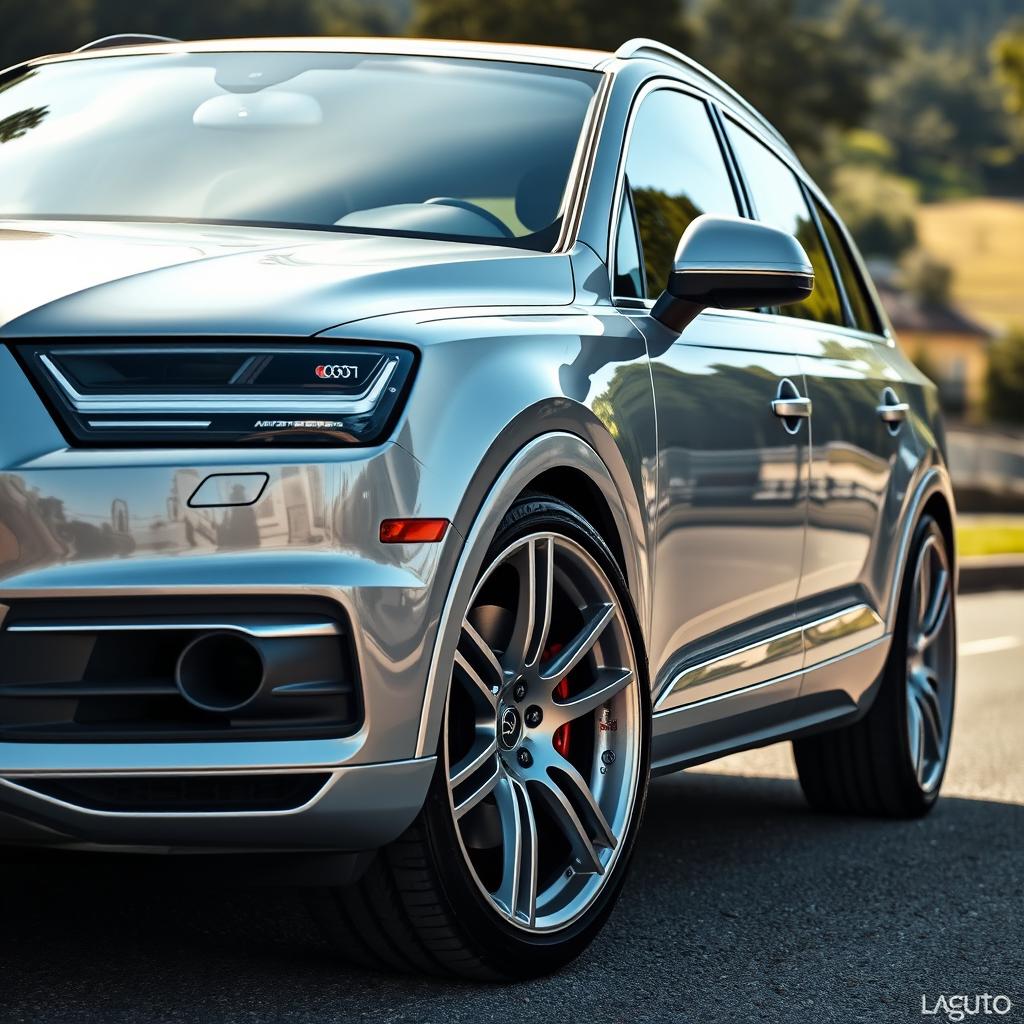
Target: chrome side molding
{"x":794,"y":650}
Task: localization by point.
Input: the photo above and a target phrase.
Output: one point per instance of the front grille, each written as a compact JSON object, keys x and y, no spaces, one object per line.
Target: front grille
{"x":195,"y":794}
{"x":105,"y":670}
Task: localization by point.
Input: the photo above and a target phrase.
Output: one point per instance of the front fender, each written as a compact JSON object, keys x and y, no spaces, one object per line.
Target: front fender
{"x":538,"y":455}
{"x":500,"y":397}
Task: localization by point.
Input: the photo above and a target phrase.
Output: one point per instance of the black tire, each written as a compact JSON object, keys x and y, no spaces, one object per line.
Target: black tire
{"x":867,"y":768}
{"x":417,"y":909}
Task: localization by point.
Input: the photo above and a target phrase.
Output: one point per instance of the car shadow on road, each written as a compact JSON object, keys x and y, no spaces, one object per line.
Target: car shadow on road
{"x":742,"y":904}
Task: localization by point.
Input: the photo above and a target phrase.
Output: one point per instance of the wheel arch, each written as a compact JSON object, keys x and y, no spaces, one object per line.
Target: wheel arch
{"x":940,"y":509}
{"x":932,"y":496}
{"x":563,"y":465}
{"x":578,"y":491}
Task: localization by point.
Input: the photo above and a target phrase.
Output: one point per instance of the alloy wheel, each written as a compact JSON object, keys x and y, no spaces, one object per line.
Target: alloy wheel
{"x":930,"y":664}
{"x":542,"y":749}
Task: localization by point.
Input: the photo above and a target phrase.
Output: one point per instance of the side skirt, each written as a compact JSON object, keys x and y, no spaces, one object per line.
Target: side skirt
{"x":829,"y":694}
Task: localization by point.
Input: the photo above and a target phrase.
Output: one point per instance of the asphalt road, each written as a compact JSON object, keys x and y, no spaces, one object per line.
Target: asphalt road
{"x":742,"y":905}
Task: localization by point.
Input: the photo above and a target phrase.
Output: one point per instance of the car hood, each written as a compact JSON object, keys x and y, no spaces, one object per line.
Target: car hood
{"x":60,"y":279}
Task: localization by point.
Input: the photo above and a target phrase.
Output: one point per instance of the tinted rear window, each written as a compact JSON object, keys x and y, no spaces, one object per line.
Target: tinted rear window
{"x":779,"y":201}
{"x":864,"y":316}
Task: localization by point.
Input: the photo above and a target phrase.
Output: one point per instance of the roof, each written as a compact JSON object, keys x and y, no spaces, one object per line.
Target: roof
{"x":562,"y":56}
{"x":909,"y":313}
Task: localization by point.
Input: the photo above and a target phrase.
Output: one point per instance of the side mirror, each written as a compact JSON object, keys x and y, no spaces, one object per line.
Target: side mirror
{"x":731,"y":263}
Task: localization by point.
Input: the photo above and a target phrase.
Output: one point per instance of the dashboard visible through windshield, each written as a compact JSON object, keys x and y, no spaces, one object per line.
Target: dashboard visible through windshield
{"x":392,"y":144}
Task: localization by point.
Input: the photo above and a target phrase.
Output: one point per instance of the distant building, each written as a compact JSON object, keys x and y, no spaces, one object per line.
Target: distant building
{"x":946,"y":343}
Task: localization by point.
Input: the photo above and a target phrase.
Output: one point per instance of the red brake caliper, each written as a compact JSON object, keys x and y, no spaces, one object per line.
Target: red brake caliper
{"x":561,"y":737}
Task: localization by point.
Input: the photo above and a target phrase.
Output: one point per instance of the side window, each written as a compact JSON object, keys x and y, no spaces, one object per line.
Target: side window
{"x":629,"y":275}
{"x":676,"y":171}
{"x":864,"y":316}
{"x":779,"y":201}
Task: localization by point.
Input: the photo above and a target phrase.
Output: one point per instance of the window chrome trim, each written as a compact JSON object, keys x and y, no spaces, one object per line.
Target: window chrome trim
{"x":795,"y":650}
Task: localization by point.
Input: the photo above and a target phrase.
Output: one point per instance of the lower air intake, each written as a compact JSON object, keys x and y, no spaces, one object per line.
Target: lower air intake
{"x":181,"y":669}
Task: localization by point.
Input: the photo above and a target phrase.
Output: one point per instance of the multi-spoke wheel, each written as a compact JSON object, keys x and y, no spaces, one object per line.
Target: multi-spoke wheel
{"x":931,"y":653}
{"x":521,"y":849}
{"x":542,"y":745}
{"x":892,"y":761}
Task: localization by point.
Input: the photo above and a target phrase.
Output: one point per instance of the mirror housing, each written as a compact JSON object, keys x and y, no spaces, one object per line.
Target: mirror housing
{"x":732,"y":263}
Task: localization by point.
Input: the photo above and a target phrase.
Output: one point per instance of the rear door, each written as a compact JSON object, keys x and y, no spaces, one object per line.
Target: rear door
{"x":731,"y":492}
{"x":855,"y":470}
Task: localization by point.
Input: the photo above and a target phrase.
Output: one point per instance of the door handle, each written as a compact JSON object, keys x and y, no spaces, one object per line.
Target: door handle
{"x":892,"y":411}
{"x":792,"y":408}
{"x":895,"y":413}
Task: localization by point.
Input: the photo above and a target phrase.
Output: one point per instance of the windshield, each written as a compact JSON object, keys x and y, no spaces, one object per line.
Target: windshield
{"x":448,"y":148}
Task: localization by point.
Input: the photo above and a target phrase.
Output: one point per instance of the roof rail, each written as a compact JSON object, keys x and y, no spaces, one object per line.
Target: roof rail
{"x":124,"y":39}
{"x":651,"y":49}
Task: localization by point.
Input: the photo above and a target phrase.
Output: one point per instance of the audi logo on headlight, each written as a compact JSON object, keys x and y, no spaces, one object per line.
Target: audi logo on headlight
{"x":336,"y":371}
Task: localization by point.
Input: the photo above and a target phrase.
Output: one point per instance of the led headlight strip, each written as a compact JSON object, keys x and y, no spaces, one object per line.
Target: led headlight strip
{"x":218,"y":392}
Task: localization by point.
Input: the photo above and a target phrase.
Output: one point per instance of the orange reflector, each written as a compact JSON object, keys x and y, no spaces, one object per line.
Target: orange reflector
{"x":412,"y":531}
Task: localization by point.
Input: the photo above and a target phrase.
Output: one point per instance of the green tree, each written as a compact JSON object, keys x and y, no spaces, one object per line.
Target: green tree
{"x":879,"y":208}
{"x":943,"y":113}
{"x":21,"y":123}
{"x":32,"y":29}
{"x":662,"y":219}
{"x":968,"y":23}
{"x":1008,"y":57}
{"x":1006,"y":378}
{"x":601,"y":24}
{"x":808,"y":75}
{"x":194,"y":20}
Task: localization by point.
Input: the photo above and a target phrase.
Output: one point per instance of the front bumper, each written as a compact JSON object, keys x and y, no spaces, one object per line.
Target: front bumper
{"x":361,"y":807}
{"x":79,"y":525}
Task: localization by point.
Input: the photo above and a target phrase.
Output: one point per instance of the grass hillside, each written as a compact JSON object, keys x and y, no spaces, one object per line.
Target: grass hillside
{"x":983,"y":241}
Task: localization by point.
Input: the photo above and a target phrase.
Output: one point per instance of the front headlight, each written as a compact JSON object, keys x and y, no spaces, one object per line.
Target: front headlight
{"x":164,"y":392}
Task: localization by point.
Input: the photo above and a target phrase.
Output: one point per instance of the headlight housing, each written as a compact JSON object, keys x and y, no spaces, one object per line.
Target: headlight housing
{"x":217,"y":392}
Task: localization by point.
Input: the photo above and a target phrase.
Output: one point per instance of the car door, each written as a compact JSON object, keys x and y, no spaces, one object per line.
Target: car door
{"x":857,"y":406}
{"x":731,"y":490}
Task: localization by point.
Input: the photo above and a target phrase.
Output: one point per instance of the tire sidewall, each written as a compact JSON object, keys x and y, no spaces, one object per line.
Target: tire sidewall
{"x":919,"y":800}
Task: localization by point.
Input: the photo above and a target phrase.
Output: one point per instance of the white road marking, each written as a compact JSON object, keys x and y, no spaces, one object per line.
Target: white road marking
{"x":990,"y":645}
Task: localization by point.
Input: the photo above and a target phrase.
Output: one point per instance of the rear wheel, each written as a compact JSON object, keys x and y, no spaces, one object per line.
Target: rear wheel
{"x":892,"y":761}
{"x":520,"y":851}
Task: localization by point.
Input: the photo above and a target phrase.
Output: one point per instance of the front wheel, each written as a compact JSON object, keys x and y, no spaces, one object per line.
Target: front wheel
{"x":891,"y":763}
{"x":521,"y":850}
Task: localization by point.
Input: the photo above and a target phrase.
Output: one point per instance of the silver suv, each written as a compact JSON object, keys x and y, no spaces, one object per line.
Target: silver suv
{"x":409,"y":448}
